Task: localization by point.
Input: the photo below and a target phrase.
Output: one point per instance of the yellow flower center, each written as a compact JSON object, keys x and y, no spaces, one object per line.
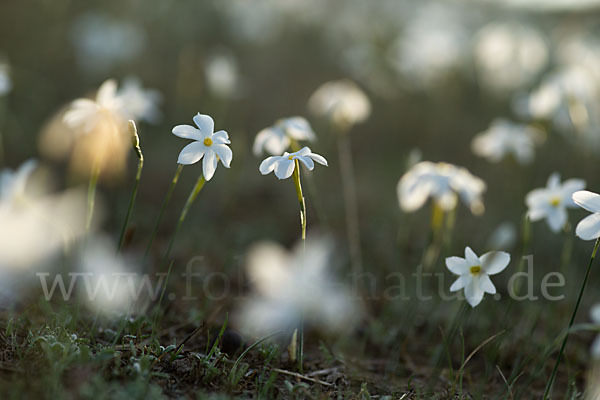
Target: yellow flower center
{"x":208,"y":141}
{"x":475,"y":269}
{"x":290,"y":157}
{"x":555,"y":201}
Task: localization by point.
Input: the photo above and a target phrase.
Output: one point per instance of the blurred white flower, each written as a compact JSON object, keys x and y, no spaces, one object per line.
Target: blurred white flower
{"x":276,"y":139}
{"x":139,"y":104}
{"x":222,"y":75}
{"x":207,"y":144}
{"x":5,"y":81}
{"x":342,"y":102}
{"x":589,"y":227}
{"x":284,"y":165}
{"x":444,"y":183}
{"x":35,"y":225}
{"x":292,"y":285}
{"x":548,"y":6}
{"x":109,"y":279}
{"x":434,"y":42}
{"x":102,"y":41}
{"x":503,"y":237}
{"x":504,"y":138}
{"x":474,"y":273}
{"x":509,"y":55}
{"x":552,"y":201}
{"x":595,"y":315}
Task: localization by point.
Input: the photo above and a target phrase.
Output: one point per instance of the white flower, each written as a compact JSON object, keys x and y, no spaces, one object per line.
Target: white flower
{"x":595,"y":315}
{"x":207,"y":143}
{"x":277,"y":138}
{"x":85,"y":115}
{"x":444,"y":183}
{"x":284,"y":165}
{"x":291,"y":285}
{"x":504,"y":137}
{"x":552,"y":201}
{"x":589,"y":227}
{"x":12,"y":183}
{"x":139,"y":103}
{"x":5,"y":82}
{"x":342,"y":102}
{"x":222,"y":75}
{"x":474,"y":273}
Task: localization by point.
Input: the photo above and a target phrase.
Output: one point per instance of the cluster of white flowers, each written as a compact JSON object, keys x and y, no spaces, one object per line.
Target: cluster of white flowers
{"x":276,"y":139}
{"x":505,"y":138}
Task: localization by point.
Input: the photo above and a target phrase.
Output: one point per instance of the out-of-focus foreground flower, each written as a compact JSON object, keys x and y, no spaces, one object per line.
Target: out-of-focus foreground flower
{"x":289,"y":286}
{"x":342,"y":102}
{"x":284,"y":165}
{"x":589,"y":227}
{"x":552,"y":201}
{"x":207,"y":144}
{"x":444,"y":183}
{"x":505,"y":138}
{"x":474,"y":273}
{"x":276,"y":139}
{"x":5,"y":81}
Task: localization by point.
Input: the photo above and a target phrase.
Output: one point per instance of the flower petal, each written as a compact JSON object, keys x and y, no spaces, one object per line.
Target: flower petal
{"x":187,"y":132}
{"x":589,"y":227}
{"x":457,"y":265}
{"x":224,"y":153}
{"x":284,"y":169}
{"x":221,"y":137}
{"x":205,"y":123}
{"x":107,"y":92}
{"x":268,"y":164}
{"x":473,"y":293}
{"x":557,"y":218}
{"x":308,"y":163}
{"x":471,"y":258}
{"x":191,"y":153}
{"x":494,"y":262}
{"x":485,"y":284}
{"x":587,"y":200}
{"x":568,"y":188}
{"x":209,"y":164}
{"x":460,"y":283}
{"x":318,"y":158}
{"x":553,"y":181}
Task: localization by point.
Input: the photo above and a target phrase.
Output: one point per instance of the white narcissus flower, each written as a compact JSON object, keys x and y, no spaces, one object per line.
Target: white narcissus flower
{"x":284,"y":165}
{"x":5,"y":82}
{"x":139,"y":104}
{"x":207,"y":143}
{"x":444,"y":183}
{"x":13,"y":183}
{"x":503,"y":138}
{"x":276,"y":139}
{"x":589,"y":227}
{"x":552,"y":201}
{"x":342,"y":102}
{"x":595,"y":315}
{"x":474,"y":273}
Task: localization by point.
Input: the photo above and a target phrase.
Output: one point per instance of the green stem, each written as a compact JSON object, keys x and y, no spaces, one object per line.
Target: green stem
{"x":297,"y":183}
{"x":138,"y":176}
{"x":91,"y":197}
{"x":564,"y":343}
{"x":191,"y":198}
{"x":163,"y":208}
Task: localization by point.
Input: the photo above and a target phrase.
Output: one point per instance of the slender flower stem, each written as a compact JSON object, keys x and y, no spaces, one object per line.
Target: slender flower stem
{"x":350,"y":200}
{"x":564,"y":343}
{"x":296,"y":177}
{"x":91,"y":197}
{"x":191,"y":198}
{"x":138,"y":176}
{"x":163,"y":208}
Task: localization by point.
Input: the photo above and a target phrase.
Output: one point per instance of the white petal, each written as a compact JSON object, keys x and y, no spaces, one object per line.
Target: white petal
{"x":187,"y":132}
{"x":589,"y":227}
{"x":494,"y":262}
{"x":221,"y":137}
{"x":209,"y":164}
{"x":318,"y":158}
{"x":298,"y":128}
{"x":553,"y":181}
{"x":568,"y":188}
{"x":107,"y":92}
{"x":473,"y":293}
{"x":305,"y":151}
{"x":284,"y":169}
{"x":268,"y":164}
{"x":205,"y":123}
{"x":471,"y":258}
{"x":557,"y":217}
{"x":224,"y":153}
{"x":191,"y":153}
{"x":308,"y":163}
{"x":485,"y":284}
{"x":460,"y":283}
{"x":457,"y":265}
{"x":595,"y":314}
{"x":587,"y":200}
